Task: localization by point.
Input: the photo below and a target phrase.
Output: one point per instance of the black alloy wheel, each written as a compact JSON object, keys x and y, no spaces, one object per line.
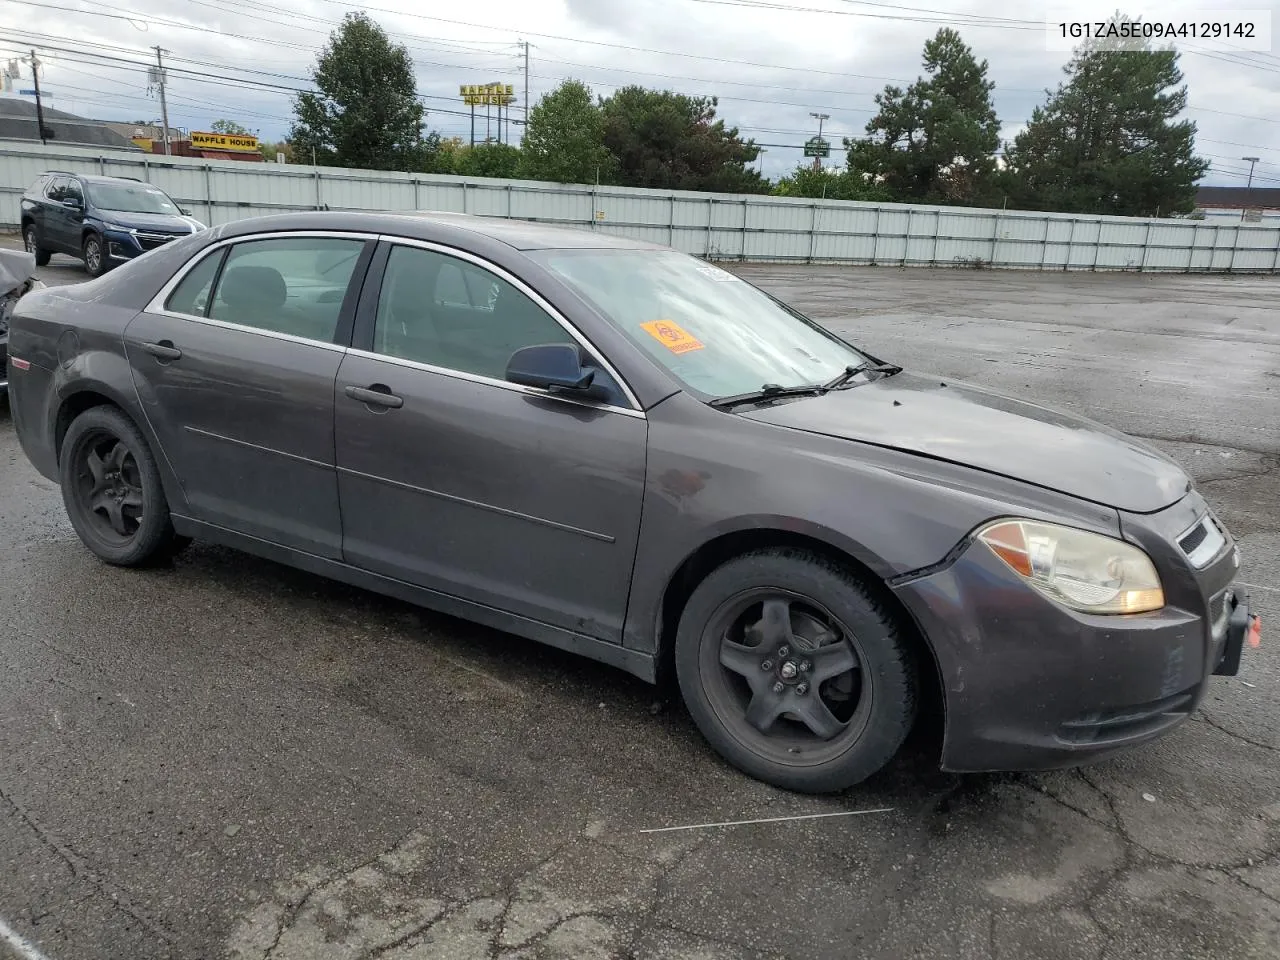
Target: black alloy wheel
{"x":112,"y":490}
{"x":795,"y":671}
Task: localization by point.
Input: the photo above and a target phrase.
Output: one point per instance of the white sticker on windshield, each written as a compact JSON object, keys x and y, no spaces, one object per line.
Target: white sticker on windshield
{"x":715,"y":273}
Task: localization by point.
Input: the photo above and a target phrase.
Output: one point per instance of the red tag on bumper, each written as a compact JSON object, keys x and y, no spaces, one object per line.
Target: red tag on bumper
{"x":1254,"y":636}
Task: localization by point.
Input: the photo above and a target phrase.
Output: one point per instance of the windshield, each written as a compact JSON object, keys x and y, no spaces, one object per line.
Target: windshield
{"x":131,"y":198}
{"x":717,"y":334}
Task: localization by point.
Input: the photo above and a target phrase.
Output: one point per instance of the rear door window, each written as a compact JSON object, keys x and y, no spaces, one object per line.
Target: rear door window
{"x":293,"y":285}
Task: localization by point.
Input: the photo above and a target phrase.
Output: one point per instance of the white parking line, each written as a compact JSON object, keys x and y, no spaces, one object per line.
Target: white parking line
{"x":26,"y":949}
{"x":1258,"y":586}
{"x":741,"y":823}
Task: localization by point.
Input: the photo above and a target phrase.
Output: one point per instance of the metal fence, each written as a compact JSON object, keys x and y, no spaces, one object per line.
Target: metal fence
{"x":714,"y":226}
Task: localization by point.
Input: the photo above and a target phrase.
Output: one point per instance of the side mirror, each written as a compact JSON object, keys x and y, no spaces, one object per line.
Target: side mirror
{"x":184,"y":211}
{"x":73,"y":203}
{"x":549,"y":366}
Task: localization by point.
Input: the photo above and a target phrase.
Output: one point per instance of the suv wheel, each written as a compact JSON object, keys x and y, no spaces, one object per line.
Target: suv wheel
{"x":31,"y":243}
{"x":794,"y":671}
{"x":95,"y":255}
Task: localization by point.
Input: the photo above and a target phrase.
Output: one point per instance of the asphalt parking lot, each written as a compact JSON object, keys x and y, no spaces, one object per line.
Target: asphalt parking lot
{"x":230,"y":759}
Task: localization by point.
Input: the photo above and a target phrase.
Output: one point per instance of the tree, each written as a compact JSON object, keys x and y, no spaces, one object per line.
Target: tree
{"x":1106,"y":142}
{"x":665,"y":139}
{"x":829,"y":183}
{"x":936,"y":141}
{"x":564,"y":140}
{"x":365,"y":112}
{"x":231,"y":128}
{"x":487,"y":160}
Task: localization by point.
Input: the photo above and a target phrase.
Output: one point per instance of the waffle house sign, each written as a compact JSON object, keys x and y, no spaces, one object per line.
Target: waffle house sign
{"x":224,"y":141}
{"x":487,"y":94}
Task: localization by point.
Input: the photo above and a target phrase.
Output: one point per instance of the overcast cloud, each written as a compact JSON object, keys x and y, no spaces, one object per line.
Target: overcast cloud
{"x":771,"y":65}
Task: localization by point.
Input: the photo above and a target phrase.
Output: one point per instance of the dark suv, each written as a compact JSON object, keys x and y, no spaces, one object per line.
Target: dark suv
{"x":103,"y":220}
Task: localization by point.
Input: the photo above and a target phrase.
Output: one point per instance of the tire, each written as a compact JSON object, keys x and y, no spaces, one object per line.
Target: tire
{"x":31,"y":243}
{"x":754,"y":713}
{"x":95,"y":255}
{"x":126,"y":475}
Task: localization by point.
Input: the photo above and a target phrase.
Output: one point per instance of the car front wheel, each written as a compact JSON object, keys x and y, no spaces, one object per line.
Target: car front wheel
{"x":31,"y":243}
{"x":95,"y":256}
{"x":112,"y":491}
{"x":795,"y":672}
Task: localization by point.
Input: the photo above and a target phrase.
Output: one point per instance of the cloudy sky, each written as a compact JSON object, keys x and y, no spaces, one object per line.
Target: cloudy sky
{"x":771,"y":62}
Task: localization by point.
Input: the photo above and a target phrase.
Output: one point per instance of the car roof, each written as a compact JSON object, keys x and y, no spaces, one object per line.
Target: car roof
{"x":91,"y":177}
{"x":433,"y":225}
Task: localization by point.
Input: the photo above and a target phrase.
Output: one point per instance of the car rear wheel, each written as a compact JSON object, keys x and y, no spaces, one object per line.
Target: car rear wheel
{"x":112,"y":491}
{"x":95,"y":255}
{"x":794,"y":672}
{"x":31,"y":243}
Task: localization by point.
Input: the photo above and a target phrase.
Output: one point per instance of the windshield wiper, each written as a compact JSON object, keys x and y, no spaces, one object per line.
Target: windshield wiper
{"x":770,"y":391}
{"x":852,"y":371}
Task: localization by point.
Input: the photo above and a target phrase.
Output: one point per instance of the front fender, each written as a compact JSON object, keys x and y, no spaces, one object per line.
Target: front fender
{"x":895,"y":513}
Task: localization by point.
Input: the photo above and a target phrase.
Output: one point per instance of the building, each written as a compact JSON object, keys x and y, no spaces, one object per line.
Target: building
{"x":144,"y":134}
{"x":1230,"y":203}
{"x":18,"y":122}
{"x":214,"y":146}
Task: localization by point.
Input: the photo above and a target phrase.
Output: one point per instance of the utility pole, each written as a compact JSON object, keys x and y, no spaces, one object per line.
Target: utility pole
{"x":526,"y":84}
{"x":817,"y":161}
{"x":35,"y":75}
{"x":1249,"y":186}
{"x":164,"y":105}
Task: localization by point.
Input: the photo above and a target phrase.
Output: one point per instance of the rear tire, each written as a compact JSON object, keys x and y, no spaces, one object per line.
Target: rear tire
{"x":795,"y":672}
{"x":31,"y":243}
{"x":95,"y":255}
{"x":112,"y":491}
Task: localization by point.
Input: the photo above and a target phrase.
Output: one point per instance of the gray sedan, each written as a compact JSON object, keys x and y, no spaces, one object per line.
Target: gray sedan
{"x":623,"y":451}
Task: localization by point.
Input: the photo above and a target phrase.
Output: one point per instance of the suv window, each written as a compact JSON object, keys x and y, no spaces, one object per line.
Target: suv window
{"x":439,"y":310}
{"x":37,"y":189}
{"x":71,"y":190}
{"x":191,"y":295}
{"x":288,"y":285}
{"x":56,"y":191}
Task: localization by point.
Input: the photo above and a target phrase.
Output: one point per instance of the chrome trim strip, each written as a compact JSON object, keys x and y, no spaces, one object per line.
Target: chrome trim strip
{"x":602,"y":537}
{"x":254,"y":446}
{"x":529,"y":292}
{"x":490,"y":381}
{"x":272,"y":334}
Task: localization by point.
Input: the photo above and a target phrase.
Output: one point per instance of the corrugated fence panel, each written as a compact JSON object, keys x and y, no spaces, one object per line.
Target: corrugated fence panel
{"x":761,"y":228}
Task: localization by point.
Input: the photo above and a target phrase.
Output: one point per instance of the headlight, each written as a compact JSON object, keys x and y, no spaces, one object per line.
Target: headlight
{"x":1083,"y":571}
{"x":116,"y":227}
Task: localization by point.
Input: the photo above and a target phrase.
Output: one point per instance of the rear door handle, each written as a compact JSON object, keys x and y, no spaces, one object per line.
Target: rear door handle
{"x":377,"y":395}
{"x":164,"y":350}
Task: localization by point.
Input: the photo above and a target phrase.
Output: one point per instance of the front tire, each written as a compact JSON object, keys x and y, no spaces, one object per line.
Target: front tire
{"x":31,"y":243}
{"x":95,"y":255}
{"x":112,"y":492}
{"x":794,"y":671}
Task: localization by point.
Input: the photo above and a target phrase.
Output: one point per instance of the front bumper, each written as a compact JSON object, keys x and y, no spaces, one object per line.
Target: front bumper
{"x":1029,"y":684}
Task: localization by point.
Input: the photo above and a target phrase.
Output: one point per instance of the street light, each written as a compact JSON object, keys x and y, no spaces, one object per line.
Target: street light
{"x":1248,"y":199}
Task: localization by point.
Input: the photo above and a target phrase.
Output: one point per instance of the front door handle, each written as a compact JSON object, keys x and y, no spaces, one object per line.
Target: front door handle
{"x":164,"y":350}
{"x":377,"y":395}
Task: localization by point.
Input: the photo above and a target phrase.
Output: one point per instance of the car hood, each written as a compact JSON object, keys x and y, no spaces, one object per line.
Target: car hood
{"x":160,"y":222}
{"x":965,"y":424}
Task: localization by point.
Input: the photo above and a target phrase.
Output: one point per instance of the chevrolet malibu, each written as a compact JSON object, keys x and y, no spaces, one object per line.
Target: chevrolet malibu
{"x":625,"y":452}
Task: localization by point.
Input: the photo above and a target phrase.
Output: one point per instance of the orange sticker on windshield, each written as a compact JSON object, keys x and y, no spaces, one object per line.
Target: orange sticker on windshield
{"x":672,"y":336}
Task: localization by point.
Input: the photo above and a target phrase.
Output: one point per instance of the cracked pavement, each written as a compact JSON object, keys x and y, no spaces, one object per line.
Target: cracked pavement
{"x":228,"y":759}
